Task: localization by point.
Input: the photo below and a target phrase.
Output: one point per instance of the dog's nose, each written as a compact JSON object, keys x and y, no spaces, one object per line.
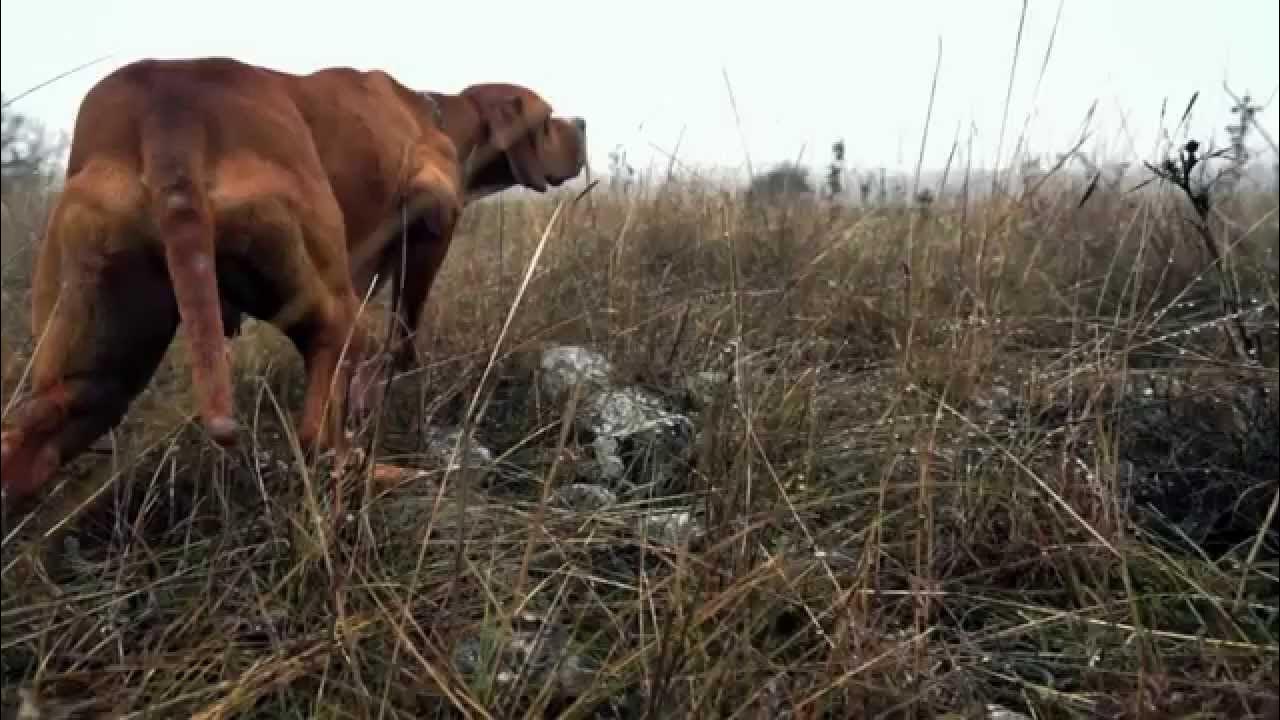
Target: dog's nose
{"x":581,"y":124}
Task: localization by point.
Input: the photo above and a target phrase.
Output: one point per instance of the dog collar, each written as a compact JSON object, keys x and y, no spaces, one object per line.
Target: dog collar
{"x":436,"y":113}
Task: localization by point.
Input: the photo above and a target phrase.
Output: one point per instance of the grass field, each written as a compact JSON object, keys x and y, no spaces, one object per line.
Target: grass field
{"x":983,"y":455}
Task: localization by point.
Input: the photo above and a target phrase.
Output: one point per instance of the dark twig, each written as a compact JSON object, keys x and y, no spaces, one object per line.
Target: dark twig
{"x":1177,"y":171}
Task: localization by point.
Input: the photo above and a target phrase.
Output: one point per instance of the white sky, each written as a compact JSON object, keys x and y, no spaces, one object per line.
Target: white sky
{"x":803,"y":72}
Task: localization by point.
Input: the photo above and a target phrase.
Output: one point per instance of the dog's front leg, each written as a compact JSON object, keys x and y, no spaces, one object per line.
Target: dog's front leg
{"x":436,"y":206}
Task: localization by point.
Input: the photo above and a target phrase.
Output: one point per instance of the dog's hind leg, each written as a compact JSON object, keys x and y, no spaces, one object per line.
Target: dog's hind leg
{"x":103,"y":316}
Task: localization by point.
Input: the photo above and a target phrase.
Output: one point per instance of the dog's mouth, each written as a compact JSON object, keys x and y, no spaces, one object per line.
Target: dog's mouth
{"x":497,"y":174}
{"x":580,"y":167}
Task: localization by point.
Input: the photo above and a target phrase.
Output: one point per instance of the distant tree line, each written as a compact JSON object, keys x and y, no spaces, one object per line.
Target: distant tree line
{"x":27,"y":149}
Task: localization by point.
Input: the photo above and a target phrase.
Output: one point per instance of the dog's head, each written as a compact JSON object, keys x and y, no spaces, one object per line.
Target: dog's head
{"x":521,"y":142}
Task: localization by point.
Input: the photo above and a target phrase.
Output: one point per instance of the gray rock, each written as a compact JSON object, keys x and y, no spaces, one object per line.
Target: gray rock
{"x":563,"y":367}
{"x":471,"y":655}
{"x":584,"y":497}
{"x":703,"y":386}
{"x":636,"y":442}
{"x":999,"y":406}
{"x":541,"y":651}
{"x":672,"y":528}
{"x":637,"y":445}
{"x":441,"y":442}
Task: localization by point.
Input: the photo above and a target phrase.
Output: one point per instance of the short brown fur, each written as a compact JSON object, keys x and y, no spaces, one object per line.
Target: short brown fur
{"x":198,"y":190}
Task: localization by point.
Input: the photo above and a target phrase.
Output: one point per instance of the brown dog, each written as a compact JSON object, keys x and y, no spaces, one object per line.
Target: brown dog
{"x":200,"y":189}
{"x":503,"y":135}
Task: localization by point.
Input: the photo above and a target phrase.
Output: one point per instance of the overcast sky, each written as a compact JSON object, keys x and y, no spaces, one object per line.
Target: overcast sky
{"x":651,"y":73}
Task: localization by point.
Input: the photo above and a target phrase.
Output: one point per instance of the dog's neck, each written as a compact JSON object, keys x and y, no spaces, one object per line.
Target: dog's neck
{"x":458,"y":118}
{"x":461,"y":120}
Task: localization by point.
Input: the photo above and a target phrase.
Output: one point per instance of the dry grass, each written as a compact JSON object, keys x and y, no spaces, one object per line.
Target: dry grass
{"x":1017,"y":466}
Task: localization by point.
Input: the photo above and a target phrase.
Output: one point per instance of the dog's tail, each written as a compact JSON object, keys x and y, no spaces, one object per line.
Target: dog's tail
{"x":173,"y":155}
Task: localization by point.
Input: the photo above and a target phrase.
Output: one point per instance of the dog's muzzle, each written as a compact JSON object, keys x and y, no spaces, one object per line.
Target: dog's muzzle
{"x":581,"y":124}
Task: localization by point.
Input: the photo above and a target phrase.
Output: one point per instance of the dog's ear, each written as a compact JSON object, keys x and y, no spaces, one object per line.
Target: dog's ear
{"x":513,"y":117}
{"x":515,"y":124}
